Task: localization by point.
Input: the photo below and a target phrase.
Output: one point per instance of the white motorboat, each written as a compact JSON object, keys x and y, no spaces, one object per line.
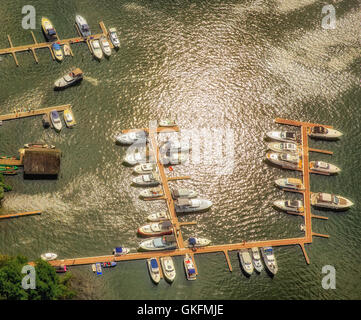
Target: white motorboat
{"x":153,"y":268}
{"x":69,"y":79}
{"x":256,"y":258}
{"x":189,"y":267}
{"x":154,"y":229}
{"x":191,"y":205}
{"x":285,"y":136}
{"x":320,"y":132}
{"x":330,"y":201}
{"x":269,"y":260}
{"x":120,"y":251}
{"x":290,"y":205}
{"x":132,"y":137}
{"x":114,"y":37}
{"x":105,"y":46}
{"x":285,"y":160}
{"x":290,"y":183}
{"x":169,"y":147}
{"x":160,"y":243}
{"x":159,"y":216}
{"x":151,"y":193}
{"x":49,"y":256}
{"x":287,"y":147}
{"x":325,"y":167}
{"x":56,"y":121}
{"x":83,"y":26}
{"x":97,"y":50}
{"x":167,"y":123}
{"x":195,"y":242}
{"x":168,"y":268}
{"x":183,"y":193}
{"x":133,"y":158}
{"x":147,"y":180}
{"x":145,"y":168}
{"x":174,"y":158}
{"x":246,"y":261}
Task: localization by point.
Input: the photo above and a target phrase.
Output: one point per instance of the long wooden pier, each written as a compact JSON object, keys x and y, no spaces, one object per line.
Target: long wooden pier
{"x":36,"y":45}
{"x":223,"y":248}
{"x":21,"y":214}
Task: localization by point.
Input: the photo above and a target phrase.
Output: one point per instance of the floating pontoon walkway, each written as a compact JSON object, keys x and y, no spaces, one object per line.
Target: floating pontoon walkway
{"x":36,"y":45}
{"x":224,"y":248}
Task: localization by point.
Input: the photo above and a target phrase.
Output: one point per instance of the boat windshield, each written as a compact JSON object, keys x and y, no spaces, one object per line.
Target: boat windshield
{"x":195,"y":203}
{"x":336,"y":200}
{"x":294,"y":203}
{"x":290,"y":135}
{"x":85,"y":27}
{"x":68,"y":78}
{"x":322,"y":164}
{"x":158,"y":243}
{"x":68,"y":117}
{"x":147,"y":178}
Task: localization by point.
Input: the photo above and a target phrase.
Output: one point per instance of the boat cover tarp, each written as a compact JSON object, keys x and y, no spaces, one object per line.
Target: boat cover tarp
{"x":192,"y":271}
{"x":51,"y":32}
{"x":192,"y":241}
{"x":154,"y":263}
{"x":118,"y":250}
{"x":56,"y":46}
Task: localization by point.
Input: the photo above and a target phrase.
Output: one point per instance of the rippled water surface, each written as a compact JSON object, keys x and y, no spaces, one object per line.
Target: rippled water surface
{"x":210,"y":65}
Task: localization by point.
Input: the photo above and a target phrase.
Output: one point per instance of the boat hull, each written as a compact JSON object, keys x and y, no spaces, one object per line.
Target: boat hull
{"x":168,"y":275}
{"x":247,"y":271}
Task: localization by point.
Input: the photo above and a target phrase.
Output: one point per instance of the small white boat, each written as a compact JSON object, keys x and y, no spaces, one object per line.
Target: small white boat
{"x":330,"y":201}
{"x":290,"y":183}
{"x":83,"y":26}
{"x":159,"y":216}
{"x":269,"y":260}
{"x":67,"y":50}
{"x":246,"y":261}
{"x":153,"y":268}
{"x":189,"y":267}
{"x":135,"y":158}
{"x":151,"y":193}
{"x":120,"y":251}
{"x":105,"y":46}
{"x":69,"y":79}
{"x":285,"y":160}
{"x":324,"y":167}
{"x":195,"y":242}
{"x":183,"y":193}
{"x":56,"y":121}
{"x":145,"y":168}
{"x":191,"y":205}
{"x":49,"y":256}
{"x":170,"y":147}
{"x":287,"y":147}
{"x":256,"y":258}
{"x":285,"y":136}
{"x":114,"y":37}
{"x":320,"y":132}
{"x":132,"y":137}
{"x":168,"y":268}
{"x":155,"y":229}
{"x":97,"y":50}
{"x":168,"y":242}
{"x":290,"y":205}
{"x":174,"y":158}
{"x":147,"y":180}
{"x":167,"y":123}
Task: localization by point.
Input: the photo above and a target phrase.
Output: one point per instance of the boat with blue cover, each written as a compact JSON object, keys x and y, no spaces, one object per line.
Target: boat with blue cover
{"x":153,"y":268}
{"x":120,"y":251}
{"x":98,"y":268}
{"x":58,"y":52}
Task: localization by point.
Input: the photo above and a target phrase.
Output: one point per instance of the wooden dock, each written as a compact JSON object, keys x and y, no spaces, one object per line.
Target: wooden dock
{"x":36,"y":45}
{"x":223,"y":248}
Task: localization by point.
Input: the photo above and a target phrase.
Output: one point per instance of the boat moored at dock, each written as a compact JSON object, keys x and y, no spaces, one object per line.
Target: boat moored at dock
{"x":156,"y":229}
{"x":159,"y":216}
{"x":145,"y":168}
{"x":169,"y":147}
{"x":120,"y":251}
{"x":191,"y":205}
{"x":49,"y":256}
{"x":82,"y":26}
{"x":105,"y":46}
{"x":160,"y":243}
{"x":114,"y":37}
{"x":269,"y":260}
{"x":290,"y":205}
{"x":147,"y":180}
{"x":290,"y":183}
{"x":55,"y":120}
{"x":195,"y":242}
{"x":167,"y":123}
{"x":153,"y":268}
{"x":174,"y":158}
{"x":324,"y":167}
{"x":284,"y":136}
{"x":96,"y":49}
{"x":110,"y":264}
{"x":48,"y":29}
{"x":168,"y":268}
{"x":320,"y":132}
{"x":58,"y":52}
{"x":330,"y":201}
{"x":132,"y":137}
{"x":256,"y":259}
{"x":284,"y":160}
{"x":246,"y":261}
{"x":287,"y":147}
{"x":183,"y":193}
{"x":151,"y":193}
{"x":189,"y":267}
